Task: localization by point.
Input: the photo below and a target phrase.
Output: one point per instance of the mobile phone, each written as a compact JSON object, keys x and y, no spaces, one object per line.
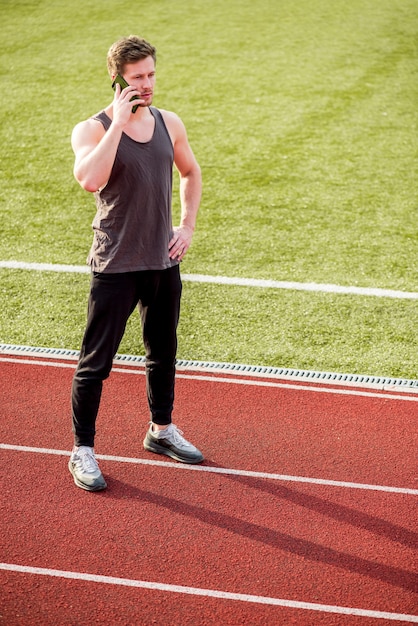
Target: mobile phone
{"x":122,"y":82}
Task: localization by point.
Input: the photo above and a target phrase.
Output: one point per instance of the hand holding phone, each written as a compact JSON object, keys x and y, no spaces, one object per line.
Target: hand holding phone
{"x":122,"y":82}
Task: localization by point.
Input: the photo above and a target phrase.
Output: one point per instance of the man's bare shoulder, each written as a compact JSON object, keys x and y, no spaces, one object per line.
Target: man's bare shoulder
{"x":87,"y":131}
{"x":173,"y":122}
{"x":91,"y":124}
{"x":171,"y":118}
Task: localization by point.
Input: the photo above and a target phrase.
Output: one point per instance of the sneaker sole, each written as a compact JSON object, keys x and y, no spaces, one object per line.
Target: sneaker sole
{"x":98,"y":487}
{"x":157,"y":449}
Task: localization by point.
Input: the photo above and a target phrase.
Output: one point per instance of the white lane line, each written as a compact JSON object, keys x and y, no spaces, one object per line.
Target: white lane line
{"x":208,"y":593}
{"x":234,"y":381}
{"x":234,"y":281}
{"x":45,"y":267}
{"x":64,"y":364}
{"x":315,"y":287}
{"x":221,"y":470}
{"x":259,"y":383}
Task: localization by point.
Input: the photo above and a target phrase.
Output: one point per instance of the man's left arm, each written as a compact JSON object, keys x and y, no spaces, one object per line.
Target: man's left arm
{"x":190,"y":189}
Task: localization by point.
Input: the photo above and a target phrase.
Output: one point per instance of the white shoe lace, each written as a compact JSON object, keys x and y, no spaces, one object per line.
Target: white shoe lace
{"x":175,"y":437}
{"x":86,"y":460}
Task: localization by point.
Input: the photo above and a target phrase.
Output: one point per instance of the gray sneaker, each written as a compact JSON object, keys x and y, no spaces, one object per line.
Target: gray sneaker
{"x":86,"y":473}
{"x":171,"y":443}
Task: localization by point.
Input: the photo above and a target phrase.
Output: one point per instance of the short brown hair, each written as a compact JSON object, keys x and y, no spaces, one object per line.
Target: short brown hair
{"x":128,"y":50}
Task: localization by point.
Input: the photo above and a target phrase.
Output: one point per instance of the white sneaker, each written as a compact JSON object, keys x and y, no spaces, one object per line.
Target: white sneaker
{"x":171,"y":443}
{"x":86,"y":473}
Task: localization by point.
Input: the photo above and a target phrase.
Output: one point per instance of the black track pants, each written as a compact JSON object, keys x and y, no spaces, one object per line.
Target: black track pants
{"x":113,"y":298}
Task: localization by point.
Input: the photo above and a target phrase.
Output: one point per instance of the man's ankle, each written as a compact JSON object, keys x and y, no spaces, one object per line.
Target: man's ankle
{"x":156,"y":428}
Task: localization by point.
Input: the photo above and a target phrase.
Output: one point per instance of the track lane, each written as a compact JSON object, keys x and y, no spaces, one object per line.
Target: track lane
{"x":285,"y":431}
{"x":332,"y":546}
{"x":315,"y":547}
{"x":80,"y":602}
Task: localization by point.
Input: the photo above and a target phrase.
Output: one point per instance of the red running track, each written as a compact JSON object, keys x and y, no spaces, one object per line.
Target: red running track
{"x":304,"y":512}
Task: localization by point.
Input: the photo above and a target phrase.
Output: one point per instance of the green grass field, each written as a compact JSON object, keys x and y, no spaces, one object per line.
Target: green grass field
{"x":303,"y":116}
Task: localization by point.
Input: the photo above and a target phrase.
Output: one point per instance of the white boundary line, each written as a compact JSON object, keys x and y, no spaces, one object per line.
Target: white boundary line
{"x":233,"y":381}
{"x":221,"y":470}
{"x":208,"y":593}
{"x":236,"y":281}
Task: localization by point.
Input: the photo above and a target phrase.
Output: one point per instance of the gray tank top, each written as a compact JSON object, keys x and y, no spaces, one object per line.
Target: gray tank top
{"x":133,"y":222}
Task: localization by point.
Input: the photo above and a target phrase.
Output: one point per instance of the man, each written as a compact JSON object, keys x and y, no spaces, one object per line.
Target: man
{"x":124,"y":155}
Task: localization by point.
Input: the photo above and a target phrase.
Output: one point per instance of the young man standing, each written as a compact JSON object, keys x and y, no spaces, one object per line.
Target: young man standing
{"x":124,"y":155}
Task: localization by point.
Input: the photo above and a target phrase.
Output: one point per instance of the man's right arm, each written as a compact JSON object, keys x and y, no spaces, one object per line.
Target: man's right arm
{"x":94,"y":148}
{"x":95,"y":153}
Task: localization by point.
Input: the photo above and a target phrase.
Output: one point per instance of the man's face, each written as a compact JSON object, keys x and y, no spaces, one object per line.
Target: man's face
{"x":141,"y":75}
